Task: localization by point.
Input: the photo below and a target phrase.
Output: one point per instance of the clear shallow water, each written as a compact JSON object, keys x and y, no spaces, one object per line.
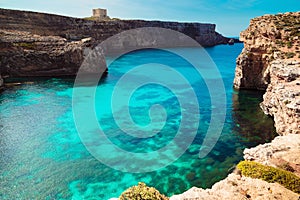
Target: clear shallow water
{"x":42,"y":157}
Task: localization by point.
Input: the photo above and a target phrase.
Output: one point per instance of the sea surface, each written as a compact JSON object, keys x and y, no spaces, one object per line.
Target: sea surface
{"x":42,"y":155}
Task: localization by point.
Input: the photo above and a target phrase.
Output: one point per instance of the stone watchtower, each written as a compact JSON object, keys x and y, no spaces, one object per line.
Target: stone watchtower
{"x":100,"y":14}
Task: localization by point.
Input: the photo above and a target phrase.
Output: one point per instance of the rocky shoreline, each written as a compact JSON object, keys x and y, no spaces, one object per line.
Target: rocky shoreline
{"x":37,"y":44}
{"x":282,"y":151}
{"x":270,"y":61}
{"x":282,"y":97}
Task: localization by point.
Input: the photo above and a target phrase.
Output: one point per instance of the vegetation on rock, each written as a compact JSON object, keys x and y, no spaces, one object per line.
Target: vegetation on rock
{"x":142,"y":192}
{"x":275,"y":33}
{"x":270,"y":174}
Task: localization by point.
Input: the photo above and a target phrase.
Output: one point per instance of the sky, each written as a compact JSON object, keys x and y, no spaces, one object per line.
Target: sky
{"x":230,"y":16}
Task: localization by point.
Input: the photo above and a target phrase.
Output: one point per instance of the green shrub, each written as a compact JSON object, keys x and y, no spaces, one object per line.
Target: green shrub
{"x":270,"y":174}
{"x":142,"y":192}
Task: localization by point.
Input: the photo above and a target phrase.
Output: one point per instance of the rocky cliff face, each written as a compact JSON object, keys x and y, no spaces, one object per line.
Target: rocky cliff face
{"x":270,"y":61}
{"x":268,"y":38}
{"x":236,"y":187}
{"x":282,"y":97}
{"x":282,"y":152}
{"x":36,"y":44}
{"x":25,"y":54}
{"x":76,"y":29}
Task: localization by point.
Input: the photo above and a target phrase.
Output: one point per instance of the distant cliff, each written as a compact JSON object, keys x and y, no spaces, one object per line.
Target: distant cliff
{"x":270,"y":61}
{"x":38,"y":44}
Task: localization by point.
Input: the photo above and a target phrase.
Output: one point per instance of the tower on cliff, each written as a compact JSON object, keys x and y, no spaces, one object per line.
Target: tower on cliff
{"x":100,"y":14}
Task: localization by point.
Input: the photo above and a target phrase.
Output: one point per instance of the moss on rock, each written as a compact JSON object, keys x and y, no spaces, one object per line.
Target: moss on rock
{"x":270,"y":174}
{"x":142,"y":192}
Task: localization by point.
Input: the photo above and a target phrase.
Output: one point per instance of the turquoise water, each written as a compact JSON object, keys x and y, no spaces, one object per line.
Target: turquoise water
{"x":42,"y":156}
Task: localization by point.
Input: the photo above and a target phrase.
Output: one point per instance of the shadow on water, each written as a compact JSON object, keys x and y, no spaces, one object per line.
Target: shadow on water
{"x":251,"y":124}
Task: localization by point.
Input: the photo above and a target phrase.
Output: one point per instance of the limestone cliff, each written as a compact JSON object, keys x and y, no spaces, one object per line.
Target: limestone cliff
{"x":282,"y":152}
{"x":25,"y":54}
{"x":282,"y":97}
{"x":76,"y":28}
{"x":37,"y":44}
{"x":270,"y":61}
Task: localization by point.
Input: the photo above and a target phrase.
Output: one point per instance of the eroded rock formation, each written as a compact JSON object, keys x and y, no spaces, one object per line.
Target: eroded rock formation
{"x":236,"y":187}
{"x":270,"y":61}
{"x":25,"y":54}
{"x":37,"y":44}
{"x":282,"y":152}
{"x":282,"y":97}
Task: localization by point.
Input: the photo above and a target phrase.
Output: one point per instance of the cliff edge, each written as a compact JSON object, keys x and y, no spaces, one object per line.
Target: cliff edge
{"x":270,"y":61}
{"x":39,"y":44}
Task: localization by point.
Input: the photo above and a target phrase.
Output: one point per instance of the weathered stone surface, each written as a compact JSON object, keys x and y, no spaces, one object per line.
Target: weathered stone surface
{"x":267,"y":38}
{"x":282,"y":97}
{"x":270,"y":61}
{"x":76,"y":29}
{"x":26,"y":54}
{"x":37,"y":44}
{"x":282,"y":152}
{"x":235,"y":187}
